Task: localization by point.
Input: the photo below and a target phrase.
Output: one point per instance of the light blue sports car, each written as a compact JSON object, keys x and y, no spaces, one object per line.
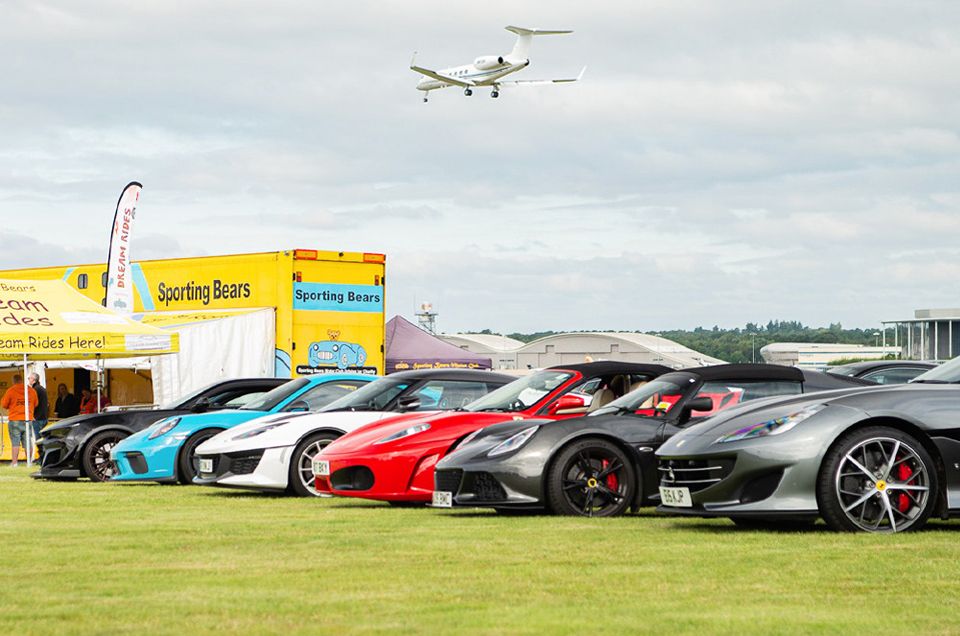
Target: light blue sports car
{"x":165,"y":451}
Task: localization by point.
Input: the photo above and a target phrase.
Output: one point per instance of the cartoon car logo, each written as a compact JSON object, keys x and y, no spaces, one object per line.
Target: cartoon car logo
{"x":331,"y":353}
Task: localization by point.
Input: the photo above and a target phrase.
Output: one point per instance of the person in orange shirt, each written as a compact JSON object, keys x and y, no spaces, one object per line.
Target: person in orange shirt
{"x":17,"y":415}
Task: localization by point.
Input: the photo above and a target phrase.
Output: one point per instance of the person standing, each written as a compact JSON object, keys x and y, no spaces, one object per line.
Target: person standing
{"x":42,"y":411}
{"x":17,"y":414}
{"x":67,"y":404}
{"x":88,"y":404}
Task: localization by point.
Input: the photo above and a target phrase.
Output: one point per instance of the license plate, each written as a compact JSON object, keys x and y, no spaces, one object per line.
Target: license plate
{"x":206,"y":465}
{"x":321,"y":468}
{"x":442,"y":499}
{"x":678,"y":497}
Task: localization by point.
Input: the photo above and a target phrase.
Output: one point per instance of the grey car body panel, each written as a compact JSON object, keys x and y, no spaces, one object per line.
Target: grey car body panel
{"x":929,"y":411}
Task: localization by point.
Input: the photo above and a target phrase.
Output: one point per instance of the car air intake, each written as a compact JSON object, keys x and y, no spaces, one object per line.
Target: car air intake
{"x":137,"y":462}
{"x":447,"y":480}
{"x":244,"y":463}
{"x":694,"y":474}
{"x":352,"y":478}
{"x":485,"y":487}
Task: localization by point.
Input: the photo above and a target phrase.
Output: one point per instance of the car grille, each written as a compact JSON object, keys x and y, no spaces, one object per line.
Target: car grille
{"x":485,"y":487}
{"x":244,"y":463}
{"x":447,"y":480}
{"x":695,"y":474}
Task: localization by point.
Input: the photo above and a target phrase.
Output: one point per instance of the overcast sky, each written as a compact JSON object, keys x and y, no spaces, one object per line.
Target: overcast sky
{"x":720,"y":162}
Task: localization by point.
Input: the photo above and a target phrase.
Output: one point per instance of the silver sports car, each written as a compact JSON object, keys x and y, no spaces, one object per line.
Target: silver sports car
{"x":876,"y":459}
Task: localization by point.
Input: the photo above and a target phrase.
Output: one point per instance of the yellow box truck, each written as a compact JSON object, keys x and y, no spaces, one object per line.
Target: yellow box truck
{"x":329,"y":306}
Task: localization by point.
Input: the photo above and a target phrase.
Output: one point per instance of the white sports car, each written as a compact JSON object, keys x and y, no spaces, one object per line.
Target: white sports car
{"x":275,"y":452}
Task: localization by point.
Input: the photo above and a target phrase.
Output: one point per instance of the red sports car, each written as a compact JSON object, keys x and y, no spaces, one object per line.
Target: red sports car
{"x":392,"y":460}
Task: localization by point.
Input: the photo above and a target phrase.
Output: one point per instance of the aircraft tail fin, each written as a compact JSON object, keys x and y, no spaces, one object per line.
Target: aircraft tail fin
{"x":521,"y":49}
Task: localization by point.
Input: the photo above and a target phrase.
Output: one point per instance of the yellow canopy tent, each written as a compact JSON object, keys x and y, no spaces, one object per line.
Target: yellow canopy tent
{"x":49,"y":320}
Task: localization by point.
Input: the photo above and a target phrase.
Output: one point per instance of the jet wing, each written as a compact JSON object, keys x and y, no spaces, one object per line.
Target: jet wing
{"x":443,"y":78}
{"x":540,"y":82}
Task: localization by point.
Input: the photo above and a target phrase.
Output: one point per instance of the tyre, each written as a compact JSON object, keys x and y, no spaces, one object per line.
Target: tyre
{"x":591,"y":478}
{"x":95,"y":457}
{"x":781,"y":525}
{"x":877,"y":479}
{"x":300,"y":474}
{"x":188,"y":466}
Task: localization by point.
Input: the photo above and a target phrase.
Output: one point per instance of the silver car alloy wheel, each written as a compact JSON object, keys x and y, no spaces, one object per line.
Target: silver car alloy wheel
{"x":882,"y":485}
{"x":305,"y":465}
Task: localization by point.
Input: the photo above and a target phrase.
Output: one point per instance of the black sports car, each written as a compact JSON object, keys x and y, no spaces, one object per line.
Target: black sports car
{"x":79,"y":446}
{"x":884,"y":371}
{"x":604,"y":463}
{"x":877,"y":460}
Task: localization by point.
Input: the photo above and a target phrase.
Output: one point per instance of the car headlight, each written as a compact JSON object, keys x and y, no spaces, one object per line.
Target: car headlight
{"x":513,"y":442}
{"x":164,"y":427}
{"x":259,"y":431}
{"x":775,"y":426}
{"x":407,"y":432}
{"x":469,"y":438}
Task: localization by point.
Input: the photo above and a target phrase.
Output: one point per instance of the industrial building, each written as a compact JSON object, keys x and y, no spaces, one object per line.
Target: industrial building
{"x":932,"y":334}
{"x":819,"y":355}
{"x":571,"y":348}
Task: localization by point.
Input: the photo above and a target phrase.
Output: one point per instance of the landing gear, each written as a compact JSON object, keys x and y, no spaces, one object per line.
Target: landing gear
{"x":494,"y":93}
{"x":426,"y":95}
{"x":467,"y":92}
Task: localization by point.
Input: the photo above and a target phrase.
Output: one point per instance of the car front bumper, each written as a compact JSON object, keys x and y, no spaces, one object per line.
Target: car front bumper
{"x":381,"y":477}
{"x":258,"y":469}
{"x":154,"y":462}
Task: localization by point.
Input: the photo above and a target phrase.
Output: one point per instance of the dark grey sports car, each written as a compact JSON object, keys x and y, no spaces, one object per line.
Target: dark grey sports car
{"x":602,"y":464}
{"x":879,"y":460}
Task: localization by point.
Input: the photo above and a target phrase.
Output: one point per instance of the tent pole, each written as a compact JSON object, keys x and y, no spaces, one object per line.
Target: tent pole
{"x":98,"y":383}
{"x":26,"y":407}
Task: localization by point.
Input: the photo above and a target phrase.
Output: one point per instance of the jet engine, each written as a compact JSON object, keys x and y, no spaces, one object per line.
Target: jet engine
{"x":488,"y":62}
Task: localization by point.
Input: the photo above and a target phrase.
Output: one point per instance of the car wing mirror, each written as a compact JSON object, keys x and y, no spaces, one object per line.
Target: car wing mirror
{"x":201,"y":405}
{"x":300,"y":406}
{"x":408,"y":403}
{"x":568,"y":405}
{"x":698,"y":404}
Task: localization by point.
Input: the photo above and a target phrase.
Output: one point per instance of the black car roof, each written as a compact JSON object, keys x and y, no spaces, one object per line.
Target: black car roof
{"x":746,"y":372}
{"x":819,"y":381}
{"x":606,"y":367}
{"x":475,"y":375}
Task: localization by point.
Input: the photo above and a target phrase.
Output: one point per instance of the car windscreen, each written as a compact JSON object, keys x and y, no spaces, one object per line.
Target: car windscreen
{"x":275,"y":396}
{"x":656,"y":397}
{"x":948,"y":372}
{"x":374,"y":396}
{"x":521,"y":394}
{"x":187,"y":402}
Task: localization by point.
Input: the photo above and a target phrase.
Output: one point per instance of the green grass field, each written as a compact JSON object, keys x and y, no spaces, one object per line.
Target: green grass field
{"x":117,"y":558}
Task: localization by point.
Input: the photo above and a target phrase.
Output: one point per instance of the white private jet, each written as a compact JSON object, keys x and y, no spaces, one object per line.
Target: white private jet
{"x":488,"y":70}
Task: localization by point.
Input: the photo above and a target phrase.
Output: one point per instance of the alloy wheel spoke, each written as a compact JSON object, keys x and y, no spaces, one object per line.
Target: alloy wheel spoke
{"x":906,"y":487}
{"x":861,"y":500}
{"x":588,"y":502}
{"x":891,"y":458}
{"x":570,"y":484}
{"x":614,"y":466}
{"x":610,"y":494}
{"x":886,"y":504}
{"x":860,"y":466}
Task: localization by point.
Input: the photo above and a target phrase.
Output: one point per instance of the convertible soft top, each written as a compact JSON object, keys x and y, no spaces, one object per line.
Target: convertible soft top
{"x":746,"y":372}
